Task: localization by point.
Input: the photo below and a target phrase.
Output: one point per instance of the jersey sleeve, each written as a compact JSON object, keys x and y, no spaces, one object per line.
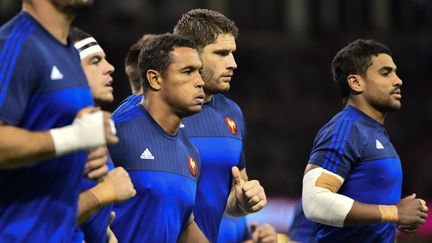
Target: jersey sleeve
{"x":242,"y":162}
{"x":337,"y":147}
{"x":18,"y":78}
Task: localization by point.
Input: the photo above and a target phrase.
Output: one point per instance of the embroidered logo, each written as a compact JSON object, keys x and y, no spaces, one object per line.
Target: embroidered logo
{"x":147,"y":154}
{"x":192,"y":166}
{"x":56,"y":74}
{"x":378,"y":144}
{"x":181,"y":125}
{"x":232,"y":127}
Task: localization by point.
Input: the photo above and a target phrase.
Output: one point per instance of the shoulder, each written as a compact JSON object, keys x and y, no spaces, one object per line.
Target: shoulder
{"x":126,"y":112}
{"x":343,"y":125}
{"x":127,"y":104}
{"x":226,"y":105}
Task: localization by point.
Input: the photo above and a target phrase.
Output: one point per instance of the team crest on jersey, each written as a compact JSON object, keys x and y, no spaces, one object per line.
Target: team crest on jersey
{"x":192,"y":166}
{"x":232,"y":127}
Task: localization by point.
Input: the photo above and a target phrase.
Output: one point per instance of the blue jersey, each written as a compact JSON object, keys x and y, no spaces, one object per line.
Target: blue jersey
{"x":94,"y":229}
{"x":233,"y":230}
{"x":357,"y":148}
{"x":302,"y":229}
{"x":128,"y":104}
{"x":164,"y":170}
{"x":218,"y":131}
{"x":42,"y":86}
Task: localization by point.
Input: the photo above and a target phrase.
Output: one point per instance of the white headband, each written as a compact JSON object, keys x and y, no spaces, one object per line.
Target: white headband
{"x":87,"y":47}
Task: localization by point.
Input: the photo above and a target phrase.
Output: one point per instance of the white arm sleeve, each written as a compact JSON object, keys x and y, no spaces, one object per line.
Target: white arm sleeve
{"x":322,"y":205}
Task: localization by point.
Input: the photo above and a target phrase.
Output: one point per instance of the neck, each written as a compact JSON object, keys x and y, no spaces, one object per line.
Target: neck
{"x":372,"y":112}
{"x":54,"y":21}
{"x":162,"y":113}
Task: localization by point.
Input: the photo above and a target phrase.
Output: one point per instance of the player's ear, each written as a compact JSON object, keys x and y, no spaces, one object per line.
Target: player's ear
{"x":356,"y":83}
{"x":154,"y":79}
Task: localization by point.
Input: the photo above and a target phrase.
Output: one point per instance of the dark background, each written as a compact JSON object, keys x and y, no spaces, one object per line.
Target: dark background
{"x":283,"y":82}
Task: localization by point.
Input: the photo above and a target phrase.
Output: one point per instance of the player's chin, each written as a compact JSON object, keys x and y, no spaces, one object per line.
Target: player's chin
{"x":223,"y":88}
{"x":193,"y":109}
{"x":109,"y":97}
{"x":395,"y":105}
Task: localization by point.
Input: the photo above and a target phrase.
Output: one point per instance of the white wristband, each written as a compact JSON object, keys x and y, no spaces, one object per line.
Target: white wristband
{"x":85,"y":132}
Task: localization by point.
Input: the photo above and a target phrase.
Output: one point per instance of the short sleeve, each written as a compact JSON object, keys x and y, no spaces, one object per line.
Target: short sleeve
{"x":337,"y":146}
{"x":242,"y":162}
{"x":17,"y":81}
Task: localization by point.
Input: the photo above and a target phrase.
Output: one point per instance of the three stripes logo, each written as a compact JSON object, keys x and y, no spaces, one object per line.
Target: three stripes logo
{"x":147,"y":154}
{"x":10,"y":51}
{"x":378,"y":144}
{"x":56,"y":74}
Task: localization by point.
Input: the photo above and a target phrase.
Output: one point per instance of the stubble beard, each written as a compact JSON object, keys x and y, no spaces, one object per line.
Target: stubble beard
{"x":211,"y":83}
{"x":72,"y":7}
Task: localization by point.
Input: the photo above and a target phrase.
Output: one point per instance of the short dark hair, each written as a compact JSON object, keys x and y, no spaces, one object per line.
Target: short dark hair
{"x":156,"y":54}
{"x":76,"y":34}
{"x":131,"y":61}
{"x":203,"y":26}
{"x":355,"y":58}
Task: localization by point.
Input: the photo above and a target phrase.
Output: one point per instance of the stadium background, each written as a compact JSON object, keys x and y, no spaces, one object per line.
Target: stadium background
{"x":283,"y":82}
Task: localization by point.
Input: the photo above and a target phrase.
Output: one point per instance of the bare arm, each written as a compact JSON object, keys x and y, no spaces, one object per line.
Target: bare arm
{"x":20,"y":147}
{"x":115,"y":187}
{"x":245,"y":196}
{"x":408,"y":211}
{"x":88,"y":204}
{"x":192,"y":233}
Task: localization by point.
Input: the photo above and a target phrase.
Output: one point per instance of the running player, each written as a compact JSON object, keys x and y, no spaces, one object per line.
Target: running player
{"x":42,"y":89}
{"x":163,"y":164}
{"x":352,"y":184}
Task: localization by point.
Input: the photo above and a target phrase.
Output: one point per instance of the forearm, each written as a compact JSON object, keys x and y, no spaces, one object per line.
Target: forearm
{"x":322,"y":202}
{"x":88,"y":204}
{"x":102,"y":194}
{"x":19,"y":147}
{"x":192,"y":234}
{"x":363,"y":214}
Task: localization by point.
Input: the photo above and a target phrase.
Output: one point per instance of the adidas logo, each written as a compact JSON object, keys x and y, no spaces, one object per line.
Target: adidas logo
{"x":146,"y":154}
{"x":378,"y":144}
{"x":56,"y":74}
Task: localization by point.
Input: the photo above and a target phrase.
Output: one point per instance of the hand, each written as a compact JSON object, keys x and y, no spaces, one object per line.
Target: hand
{"x":112,"y":217}
{"x":109,"y":128}
{"x":96,"y":167}
{"x":86,"y":110}
{"x":111,"y":238}
{"x":408,"y":229}
{"x":250,"y":195}
{"x":121,"y":184}
{"x":263,"y":234}
{"x":412,"y":211}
